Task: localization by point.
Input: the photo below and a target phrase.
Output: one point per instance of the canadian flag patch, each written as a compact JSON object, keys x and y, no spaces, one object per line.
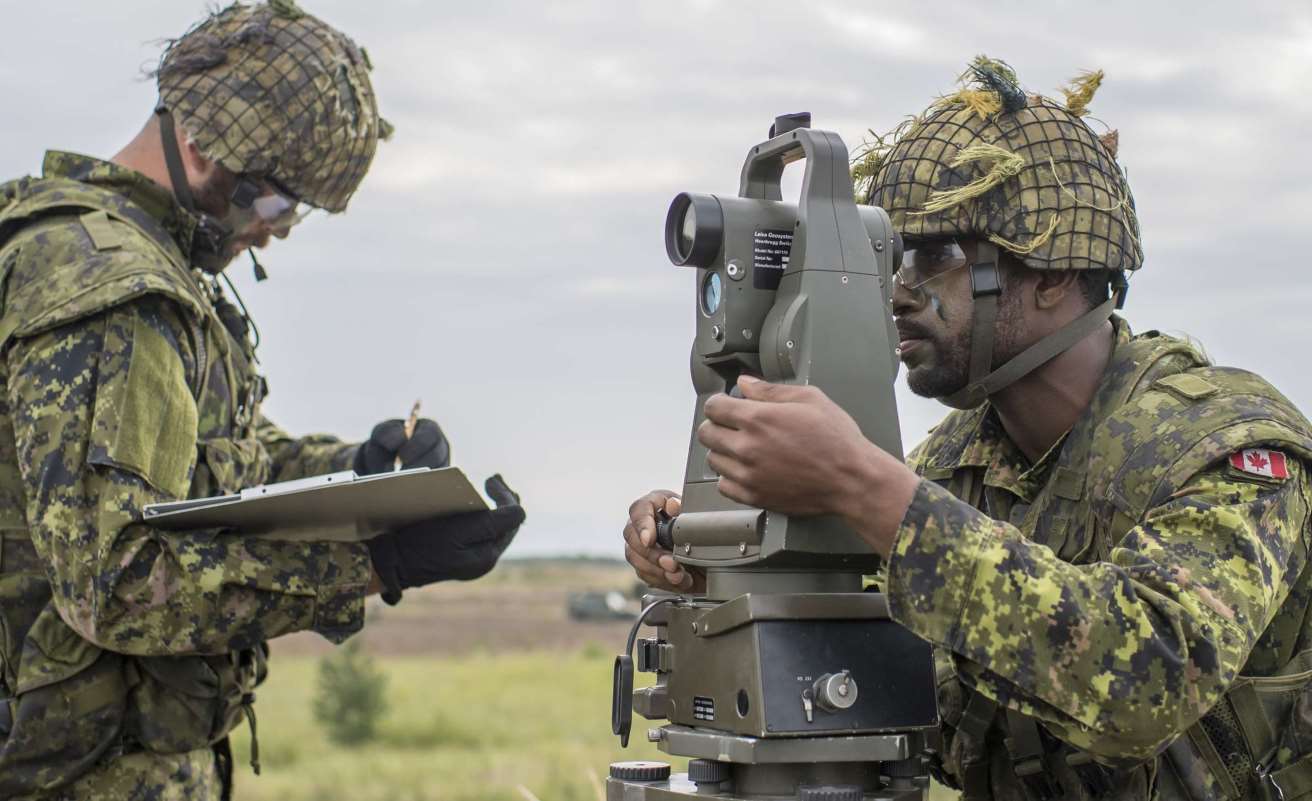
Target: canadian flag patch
{"x":1260,"y":462}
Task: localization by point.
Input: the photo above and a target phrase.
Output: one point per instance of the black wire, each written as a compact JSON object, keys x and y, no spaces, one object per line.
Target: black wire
{"x":637,"y":624}
{"x":246,"y":315}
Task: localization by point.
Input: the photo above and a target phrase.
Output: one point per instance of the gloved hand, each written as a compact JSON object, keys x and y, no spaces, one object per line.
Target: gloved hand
{"x":427,"y":447}
{"x":460,"y":547}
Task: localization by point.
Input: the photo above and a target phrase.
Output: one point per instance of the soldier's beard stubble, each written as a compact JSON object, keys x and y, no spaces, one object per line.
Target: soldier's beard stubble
{"x":213,"y":198}
{"x":947,"y":368}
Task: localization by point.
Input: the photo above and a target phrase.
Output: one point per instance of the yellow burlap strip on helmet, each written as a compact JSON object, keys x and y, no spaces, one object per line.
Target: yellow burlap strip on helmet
{"x":1034,"y":244}
{"x":869,"y":158}
{"x":1005,"y":165}
{"x":983,"y":102}
{"x":1081,"y":90}
{"x":1122,"y":203}
{"x":286,"y":8}
{"x":1117,"y":206}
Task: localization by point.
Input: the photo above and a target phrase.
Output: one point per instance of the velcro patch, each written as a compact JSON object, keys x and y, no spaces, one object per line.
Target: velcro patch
{"x":1260,"y":462}
{"x":101,"y":231}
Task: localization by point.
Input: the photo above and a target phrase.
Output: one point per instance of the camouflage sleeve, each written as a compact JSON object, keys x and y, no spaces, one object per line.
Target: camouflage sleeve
{"x":299,"y":457}
{"x":104,"y":423}
{"x":1116,"y":657}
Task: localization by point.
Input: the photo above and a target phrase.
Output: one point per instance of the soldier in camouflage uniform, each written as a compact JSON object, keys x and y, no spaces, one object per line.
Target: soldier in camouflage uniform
{"x":1107,"y":541}
{"x":127,"y":654}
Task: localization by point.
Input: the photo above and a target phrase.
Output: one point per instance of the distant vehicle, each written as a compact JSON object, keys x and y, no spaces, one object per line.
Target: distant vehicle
{"x":593,"y":606}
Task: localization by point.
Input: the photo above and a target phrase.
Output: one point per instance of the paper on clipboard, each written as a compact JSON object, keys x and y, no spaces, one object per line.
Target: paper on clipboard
{"x":340,"y":507}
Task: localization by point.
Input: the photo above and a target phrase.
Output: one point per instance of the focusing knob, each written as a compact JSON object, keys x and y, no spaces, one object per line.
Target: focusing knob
{"x":834,"y":692}
{"x":664,"y":530}
{"x":643,"y":771}
{"x":830,"y":792}
{"x":707,"y":771}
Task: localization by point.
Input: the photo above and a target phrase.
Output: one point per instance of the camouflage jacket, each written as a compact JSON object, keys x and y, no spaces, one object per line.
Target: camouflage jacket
{"x":124,"y":387}
{"x":1115,"y":590}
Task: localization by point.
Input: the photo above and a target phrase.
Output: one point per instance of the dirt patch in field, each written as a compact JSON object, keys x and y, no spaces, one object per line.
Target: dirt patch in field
{"x":521,"y":606}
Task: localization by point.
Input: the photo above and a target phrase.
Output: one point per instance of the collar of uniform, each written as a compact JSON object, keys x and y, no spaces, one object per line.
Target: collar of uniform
{"x":155,"y":200}
{"x":1020,"y":478}
{"x":1006,"y":468}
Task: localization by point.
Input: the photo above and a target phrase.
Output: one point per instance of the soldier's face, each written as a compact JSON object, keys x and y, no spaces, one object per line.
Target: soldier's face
{"x":250,"y":229}
{"x":934,"y":311}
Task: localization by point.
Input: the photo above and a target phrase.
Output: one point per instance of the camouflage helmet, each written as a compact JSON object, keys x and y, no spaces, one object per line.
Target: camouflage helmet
{"x":271,"y":91}
{"x":1020,"y":170}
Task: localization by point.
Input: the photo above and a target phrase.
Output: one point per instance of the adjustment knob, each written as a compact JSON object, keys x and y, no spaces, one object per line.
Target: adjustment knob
{"x":640,"y":771}
{"x":830,"y":792}
{"x":707,"y":771}
{"x":834,"y":692}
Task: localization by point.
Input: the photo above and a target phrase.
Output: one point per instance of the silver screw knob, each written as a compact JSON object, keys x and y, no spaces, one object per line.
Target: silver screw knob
{"x":835,"y":692}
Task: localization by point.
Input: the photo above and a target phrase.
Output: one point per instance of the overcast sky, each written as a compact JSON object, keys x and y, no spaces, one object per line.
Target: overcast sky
{"x":504,"y":259}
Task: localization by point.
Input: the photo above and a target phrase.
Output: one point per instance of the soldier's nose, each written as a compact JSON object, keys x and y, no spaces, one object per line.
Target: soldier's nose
{"x":904,"y":301}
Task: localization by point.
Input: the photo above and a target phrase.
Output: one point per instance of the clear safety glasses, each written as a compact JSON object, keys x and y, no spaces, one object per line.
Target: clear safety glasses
{"x":279,"y":210}
{"x":273,"y":205}
{"x":929,"y":260}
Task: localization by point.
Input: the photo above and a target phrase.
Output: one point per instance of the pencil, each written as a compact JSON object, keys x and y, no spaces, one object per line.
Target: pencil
{"x":410,"y":424}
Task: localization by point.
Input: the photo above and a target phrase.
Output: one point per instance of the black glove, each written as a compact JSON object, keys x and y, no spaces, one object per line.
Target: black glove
{"x":427,"y":447}
{"x":460,"y":547}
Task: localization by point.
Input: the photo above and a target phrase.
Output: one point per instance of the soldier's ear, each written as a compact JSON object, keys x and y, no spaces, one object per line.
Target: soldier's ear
{"x":1054,"y":287}
{"x":199,"y":168}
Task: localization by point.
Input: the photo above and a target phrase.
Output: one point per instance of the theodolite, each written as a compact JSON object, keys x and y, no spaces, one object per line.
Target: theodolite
{"x":784,"y":680}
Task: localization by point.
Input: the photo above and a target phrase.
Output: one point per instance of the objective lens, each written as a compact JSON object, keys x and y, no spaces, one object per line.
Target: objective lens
{"x":687,"y":230}
{"x":712,"y":293}
{"x":694,"y":230}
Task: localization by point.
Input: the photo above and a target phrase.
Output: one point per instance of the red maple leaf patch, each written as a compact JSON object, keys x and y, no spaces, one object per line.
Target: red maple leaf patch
{"x":1261,"y":462}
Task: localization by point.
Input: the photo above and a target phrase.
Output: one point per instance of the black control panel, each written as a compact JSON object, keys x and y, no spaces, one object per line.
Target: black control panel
{"x":893,"y":671}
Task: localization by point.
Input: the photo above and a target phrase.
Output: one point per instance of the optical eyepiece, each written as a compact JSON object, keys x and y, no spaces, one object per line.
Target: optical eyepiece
{"x":790,"y":122}
{"x":694,"y":230}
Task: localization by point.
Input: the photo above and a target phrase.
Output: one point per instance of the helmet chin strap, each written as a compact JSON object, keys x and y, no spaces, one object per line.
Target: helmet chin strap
{"x":986,"y":287}
{"x":211,"y":240}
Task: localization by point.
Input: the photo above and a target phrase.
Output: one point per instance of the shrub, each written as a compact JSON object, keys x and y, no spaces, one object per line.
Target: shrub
{"x":350,"y":699}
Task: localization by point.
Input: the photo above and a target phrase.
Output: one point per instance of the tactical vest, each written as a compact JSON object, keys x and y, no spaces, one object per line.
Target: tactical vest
{"x":67,"y":705}
{"x":1256,"y":743}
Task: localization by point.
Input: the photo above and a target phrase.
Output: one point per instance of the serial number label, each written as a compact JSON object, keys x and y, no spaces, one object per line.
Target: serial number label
{"x":770,"y":249}
{"x":703,"y":708}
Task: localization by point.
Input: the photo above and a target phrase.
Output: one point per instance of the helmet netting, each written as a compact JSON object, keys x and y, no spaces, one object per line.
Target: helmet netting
{"x":1022,"y":171}
{"x":272,"y":91}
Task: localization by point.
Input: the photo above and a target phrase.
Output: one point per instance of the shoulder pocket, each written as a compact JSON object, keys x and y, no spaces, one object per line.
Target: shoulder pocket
{"x":146,"y":419}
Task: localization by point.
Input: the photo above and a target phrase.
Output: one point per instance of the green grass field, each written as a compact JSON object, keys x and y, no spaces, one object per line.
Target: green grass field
{"x":458,"y":729}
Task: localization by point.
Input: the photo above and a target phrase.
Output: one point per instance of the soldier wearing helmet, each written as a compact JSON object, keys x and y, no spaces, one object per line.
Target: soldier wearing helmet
{"x":1107,"y":539}
{"x":128,"y":654}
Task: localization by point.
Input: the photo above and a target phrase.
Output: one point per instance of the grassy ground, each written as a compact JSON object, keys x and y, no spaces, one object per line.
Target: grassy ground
{"x":458,"y":729}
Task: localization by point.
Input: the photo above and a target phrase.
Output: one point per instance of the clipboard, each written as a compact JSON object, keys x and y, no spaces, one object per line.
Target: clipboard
{"x":337,"y":507}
